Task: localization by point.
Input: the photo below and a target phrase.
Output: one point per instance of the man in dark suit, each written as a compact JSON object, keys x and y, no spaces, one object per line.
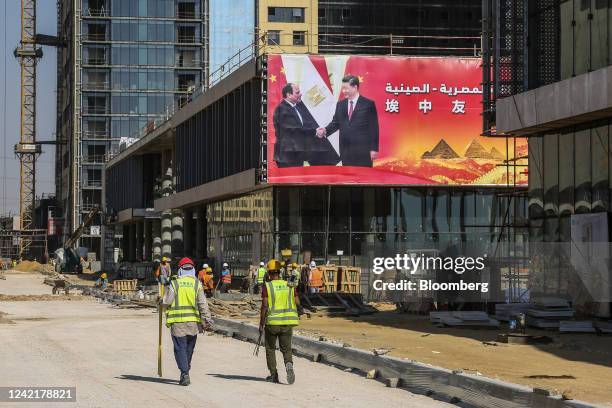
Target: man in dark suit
{"x":357,"y":120}
{"x":295,"y":128}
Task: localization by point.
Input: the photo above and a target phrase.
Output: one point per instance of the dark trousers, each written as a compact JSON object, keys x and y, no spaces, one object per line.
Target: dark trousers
{"x":292,"y":159}
{"x":183,"y":350}
{"x":283,"y":334}
{"x":224,"y":287}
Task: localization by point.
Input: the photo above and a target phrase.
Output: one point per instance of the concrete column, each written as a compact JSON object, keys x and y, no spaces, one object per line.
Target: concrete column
{"x":148,"y":243}
{"x":201,"y":232}
{"x":125,"y":242}
{"x":132,"y":243}
{"x":188,"y":233}
{"x":139,"y":240}
{"x":166,"y":234}
{"x":177,"y":234}
{"x":156,"y":239}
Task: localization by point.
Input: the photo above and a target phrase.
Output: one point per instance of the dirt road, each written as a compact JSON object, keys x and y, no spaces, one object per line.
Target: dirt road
{"x":110,"y":356}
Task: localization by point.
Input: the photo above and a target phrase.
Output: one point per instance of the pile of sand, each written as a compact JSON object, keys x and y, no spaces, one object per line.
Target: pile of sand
{"x":23,"y":298}
{"x":32,"y":266}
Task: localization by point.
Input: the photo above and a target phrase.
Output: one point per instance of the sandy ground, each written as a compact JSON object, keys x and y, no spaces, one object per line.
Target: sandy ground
{"x":110,"y":355}
{"x":580,"y":364}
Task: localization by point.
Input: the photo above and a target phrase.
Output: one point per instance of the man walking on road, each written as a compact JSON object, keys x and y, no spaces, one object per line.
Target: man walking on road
{"x":187,"y":314}
{"x":278,"y":316}
{"x":261,"y":275}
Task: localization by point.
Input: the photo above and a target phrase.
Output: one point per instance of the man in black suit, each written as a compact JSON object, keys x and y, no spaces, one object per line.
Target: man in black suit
{"x":295,"y":129}
{"x":357,"y":120}
{"x":293,"y":125}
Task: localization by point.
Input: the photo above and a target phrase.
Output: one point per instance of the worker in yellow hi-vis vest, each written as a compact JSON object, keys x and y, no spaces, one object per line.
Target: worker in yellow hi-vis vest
{"x":278,"y":316}
{"x":187,"y":314}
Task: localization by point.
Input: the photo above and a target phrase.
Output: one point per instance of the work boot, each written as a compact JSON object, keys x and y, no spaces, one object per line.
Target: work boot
{"x":290,"y":373}
{"x":273,"y":378}
{"x":185,"y":379}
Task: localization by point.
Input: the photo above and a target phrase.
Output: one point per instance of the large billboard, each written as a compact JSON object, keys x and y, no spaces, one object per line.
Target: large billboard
{"x":339,"y":119}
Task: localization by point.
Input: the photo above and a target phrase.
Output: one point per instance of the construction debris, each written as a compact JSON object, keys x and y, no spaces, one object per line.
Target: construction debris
{"x":576,"y":326}
{"x":505,"y":311}
{"x":463,"y":319}
{"x":547,"y":312}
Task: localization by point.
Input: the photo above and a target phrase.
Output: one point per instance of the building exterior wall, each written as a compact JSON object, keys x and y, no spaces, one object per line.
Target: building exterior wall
{"x":362,"y":222}
{"x":126,"y":63}
{"x":291,"y":26}
{"x":427,"y":22}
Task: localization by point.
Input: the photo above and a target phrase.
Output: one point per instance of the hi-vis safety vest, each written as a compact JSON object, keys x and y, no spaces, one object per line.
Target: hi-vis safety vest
{"x":282,"y":309}
{"x":261,"y":273}
{"x":184,"y":308}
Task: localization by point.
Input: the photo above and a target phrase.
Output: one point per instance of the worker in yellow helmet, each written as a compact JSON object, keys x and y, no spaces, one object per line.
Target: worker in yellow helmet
{"x":278,"y":316}
{"x":163,"y":271}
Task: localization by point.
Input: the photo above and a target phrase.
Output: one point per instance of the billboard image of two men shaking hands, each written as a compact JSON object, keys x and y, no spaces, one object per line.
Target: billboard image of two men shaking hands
{"x":301,"y":140}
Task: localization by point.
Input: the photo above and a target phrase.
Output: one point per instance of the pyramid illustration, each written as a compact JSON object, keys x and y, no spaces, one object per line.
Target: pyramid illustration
{"x":441,"y":151}
{"x":476,"y":151}
{"x":495,"y":154}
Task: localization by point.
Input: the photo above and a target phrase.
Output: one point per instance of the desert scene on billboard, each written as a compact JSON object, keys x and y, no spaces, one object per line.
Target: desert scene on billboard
{"x":338,"y":119}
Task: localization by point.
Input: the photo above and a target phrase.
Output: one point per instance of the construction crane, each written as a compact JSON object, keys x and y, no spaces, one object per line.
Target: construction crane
{"x":28,"y":149}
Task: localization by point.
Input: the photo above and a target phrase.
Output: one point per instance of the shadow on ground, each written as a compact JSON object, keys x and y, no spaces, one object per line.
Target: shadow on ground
{"x":148,"y":379}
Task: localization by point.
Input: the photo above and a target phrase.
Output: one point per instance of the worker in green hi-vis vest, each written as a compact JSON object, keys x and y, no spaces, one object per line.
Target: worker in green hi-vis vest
{"x":278,"y":317}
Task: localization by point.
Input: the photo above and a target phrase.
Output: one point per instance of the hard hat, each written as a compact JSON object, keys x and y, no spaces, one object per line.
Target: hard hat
{"x":261,"y":264}
{"x":225,"y":264}
{"x":273,"y":265}
{"x":295,"y":265}
{"x":313,"y":264}
{"x":283,"y":263}
{"x":164,"y":259}
{"x":205,"y":266}
{"x":209,"y":270}
{"x":185,"y":261}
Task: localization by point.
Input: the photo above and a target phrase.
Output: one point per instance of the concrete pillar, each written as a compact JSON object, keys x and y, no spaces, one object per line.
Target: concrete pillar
{"x":177,"y":234}
{"x":201,"y":232}
{"x":139,"y":240}
{"x":148,"y":243}
{"x":132,"y":243}
{"x":166,"y":234}
{"x":188,"y":232}
{"x":156,"y":239}
{"x":125,"y":242}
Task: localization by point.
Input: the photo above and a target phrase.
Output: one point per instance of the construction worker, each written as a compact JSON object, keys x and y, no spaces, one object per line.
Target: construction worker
{"x":206,"y":277}
{"x":279,"y":314}
{"x":187,"y":314}
{"x":293,"y":275}
{"x":261,"y":276}
{"x":226,"y":278}
{"x":315,"y":278}
{"x":163,"y":271}
{"x":102,"y":281}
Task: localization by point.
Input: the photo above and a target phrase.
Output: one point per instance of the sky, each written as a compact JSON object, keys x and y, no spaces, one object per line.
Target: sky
{"x":10,"y":26}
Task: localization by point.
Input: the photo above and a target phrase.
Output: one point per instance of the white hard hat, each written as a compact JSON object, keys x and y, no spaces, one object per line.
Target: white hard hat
{"x":225,"y":264}
{"x":261,"y":264}
{"x":313,"y":264}
{"x":205,"y":266}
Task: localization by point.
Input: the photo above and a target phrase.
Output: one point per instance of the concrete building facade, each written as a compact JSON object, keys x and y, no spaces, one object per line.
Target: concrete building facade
{"x":551,"y":81}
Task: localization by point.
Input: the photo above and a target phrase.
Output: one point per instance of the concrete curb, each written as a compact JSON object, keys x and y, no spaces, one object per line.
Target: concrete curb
{"x":440,"y":383}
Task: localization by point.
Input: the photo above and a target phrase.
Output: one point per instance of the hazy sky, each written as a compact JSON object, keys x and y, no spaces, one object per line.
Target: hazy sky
{"x":10,"y":12}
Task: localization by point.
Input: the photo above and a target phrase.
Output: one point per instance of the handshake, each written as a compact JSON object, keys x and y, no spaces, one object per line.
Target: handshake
{"x":321,"y":133}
